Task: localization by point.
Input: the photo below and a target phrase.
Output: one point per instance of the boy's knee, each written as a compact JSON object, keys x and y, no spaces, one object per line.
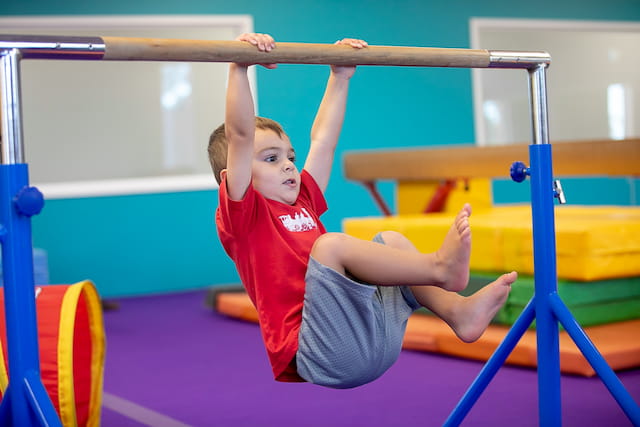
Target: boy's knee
{"x":327,"y":242}
{"x":326,"y":248}
{"x":396,"y":240}
{"x":388,"y":237}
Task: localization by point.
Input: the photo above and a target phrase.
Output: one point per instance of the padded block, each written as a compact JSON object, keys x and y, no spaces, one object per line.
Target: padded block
{"x":617,"y":342}
{"x":591,"y":303}
{"x":592,"y":243}
{"x":585,"y":315}
{"x":236,"y":304}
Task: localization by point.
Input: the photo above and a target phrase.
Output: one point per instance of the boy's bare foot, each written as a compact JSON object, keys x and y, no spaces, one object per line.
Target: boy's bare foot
{"x":476,"y":311}
{"x":453,"y":255}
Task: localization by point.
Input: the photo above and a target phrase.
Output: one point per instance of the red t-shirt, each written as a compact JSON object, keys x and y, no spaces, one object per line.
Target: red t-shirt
{"x":270,"y":243}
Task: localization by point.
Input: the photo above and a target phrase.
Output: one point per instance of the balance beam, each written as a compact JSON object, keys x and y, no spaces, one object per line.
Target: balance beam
{"x":597,"y":157}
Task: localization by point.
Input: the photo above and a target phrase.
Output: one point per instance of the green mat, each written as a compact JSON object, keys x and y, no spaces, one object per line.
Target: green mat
{"x":590,"y":303}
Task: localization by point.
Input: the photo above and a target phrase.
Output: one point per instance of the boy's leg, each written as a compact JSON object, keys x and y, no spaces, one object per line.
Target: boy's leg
{"x":377,"y":264}
{"x":469,"y":316}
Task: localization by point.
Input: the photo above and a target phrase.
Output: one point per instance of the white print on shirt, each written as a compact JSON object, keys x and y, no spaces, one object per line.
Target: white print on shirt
{"x":301,"y":221}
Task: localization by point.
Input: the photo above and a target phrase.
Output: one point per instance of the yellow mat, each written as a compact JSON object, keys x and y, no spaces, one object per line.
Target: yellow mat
{"x":592,"y":243}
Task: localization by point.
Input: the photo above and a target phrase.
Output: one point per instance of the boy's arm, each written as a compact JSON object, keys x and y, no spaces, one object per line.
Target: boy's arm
{"x":328,"y":122}
{"x":240,"y":120}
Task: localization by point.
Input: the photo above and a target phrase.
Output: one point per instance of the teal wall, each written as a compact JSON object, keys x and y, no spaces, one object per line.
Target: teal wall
{"x":158,"y":243}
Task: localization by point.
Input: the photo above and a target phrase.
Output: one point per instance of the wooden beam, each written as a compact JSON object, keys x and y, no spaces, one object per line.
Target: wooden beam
{"x":159,"y":49}
{"x":150,"y":49}
{"x":570,"y":158}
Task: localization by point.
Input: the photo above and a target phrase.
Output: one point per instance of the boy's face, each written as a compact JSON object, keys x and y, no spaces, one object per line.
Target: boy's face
{"x":274,"y":174}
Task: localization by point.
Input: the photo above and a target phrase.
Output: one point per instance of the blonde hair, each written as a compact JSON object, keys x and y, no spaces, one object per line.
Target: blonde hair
{"x":218,"y":144}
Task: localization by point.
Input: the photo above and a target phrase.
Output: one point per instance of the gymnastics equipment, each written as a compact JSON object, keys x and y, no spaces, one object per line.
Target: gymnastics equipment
{"x":26,"y":402}
{"x":592,"y":242}
{"x":413,"y":167}
{"x":72,"y":350}
{"x":571,"y":158}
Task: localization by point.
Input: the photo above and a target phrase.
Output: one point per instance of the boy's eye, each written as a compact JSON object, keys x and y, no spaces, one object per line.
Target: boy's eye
{"x":271,"y":158}
{"x":292,"y":159}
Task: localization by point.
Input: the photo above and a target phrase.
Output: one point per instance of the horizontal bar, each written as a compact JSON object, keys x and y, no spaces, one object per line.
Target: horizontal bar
{"x":289,"y":53}
{"x":158,"y":49}
{"x":570,"y":158}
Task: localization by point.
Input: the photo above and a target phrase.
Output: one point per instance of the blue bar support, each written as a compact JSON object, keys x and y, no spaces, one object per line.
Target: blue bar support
{"x":25,"y":402}
{"x":545,"y":276}
{"x":546,"y":305}
{"x":595,"y":359}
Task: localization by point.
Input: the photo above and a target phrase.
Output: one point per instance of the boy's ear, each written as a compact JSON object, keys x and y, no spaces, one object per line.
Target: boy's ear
{"x":223,"y":174}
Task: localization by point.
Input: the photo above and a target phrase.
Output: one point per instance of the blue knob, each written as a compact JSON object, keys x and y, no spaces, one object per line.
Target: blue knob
{"x":29,"y":201}
{"x":519,"y":171}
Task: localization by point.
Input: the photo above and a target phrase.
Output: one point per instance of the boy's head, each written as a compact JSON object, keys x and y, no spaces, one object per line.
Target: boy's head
{"x":218,"y":144}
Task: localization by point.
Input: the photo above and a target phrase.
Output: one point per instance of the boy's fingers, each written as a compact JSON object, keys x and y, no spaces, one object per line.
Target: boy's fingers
{"x":263,"y":42}
{"x":357,"y":43}
{"x":267,"y":41}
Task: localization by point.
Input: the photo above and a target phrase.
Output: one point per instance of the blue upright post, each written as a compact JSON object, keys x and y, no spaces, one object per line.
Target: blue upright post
{"x":25,"y":401}
{"x":544,"y":259}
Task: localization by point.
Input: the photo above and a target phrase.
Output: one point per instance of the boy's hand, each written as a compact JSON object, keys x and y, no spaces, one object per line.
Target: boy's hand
{"x":347,"y":71}
{"x":264,"y":43}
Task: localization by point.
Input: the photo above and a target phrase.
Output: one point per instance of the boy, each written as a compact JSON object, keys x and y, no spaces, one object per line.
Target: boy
{"x":332,"y":308}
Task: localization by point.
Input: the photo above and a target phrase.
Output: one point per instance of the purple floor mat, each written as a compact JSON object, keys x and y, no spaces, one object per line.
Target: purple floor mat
{"x":170,"y":356}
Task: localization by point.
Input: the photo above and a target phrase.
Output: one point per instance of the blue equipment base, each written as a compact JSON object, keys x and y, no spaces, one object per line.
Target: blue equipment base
{"x":548,"y":309}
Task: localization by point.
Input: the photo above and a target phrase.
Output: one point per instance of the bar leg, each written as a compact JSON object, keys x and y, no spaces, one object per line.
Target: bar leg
{"x":373,"y":190}
{"x":494,"y":363}
{"x":548,"y":353}
{"x":596,"y":360}
{"x":5,"y":407}
{"x":39,"y":401}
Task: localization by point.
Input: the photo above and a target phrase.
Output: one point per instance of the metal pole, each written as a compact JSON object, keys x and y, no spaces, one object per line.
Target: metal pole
{"x":25,"y":402}
{"x":544,"y":253}
{"x":12,"y":148}
{"x":538,"y":99}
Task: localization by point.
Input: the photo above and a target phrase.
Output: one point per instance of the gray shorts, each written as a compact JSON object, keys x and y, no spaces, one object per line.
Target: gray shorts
{"x":351,"y":332}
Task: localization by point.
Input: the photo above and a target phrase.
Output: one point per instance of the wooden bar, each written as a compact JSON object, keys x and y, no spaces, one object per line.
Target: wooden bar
{"x":570,"y":158}
{"x":154,"y":49}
